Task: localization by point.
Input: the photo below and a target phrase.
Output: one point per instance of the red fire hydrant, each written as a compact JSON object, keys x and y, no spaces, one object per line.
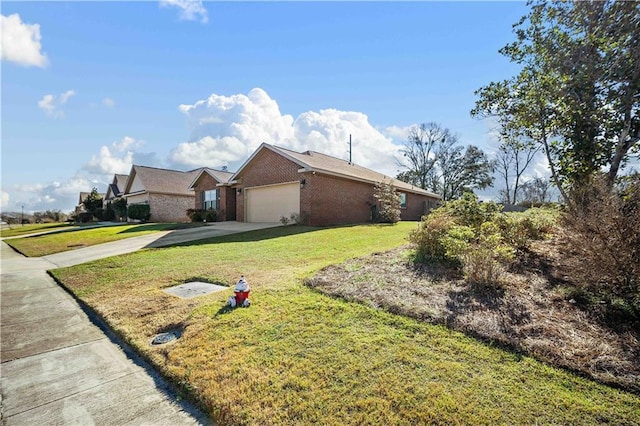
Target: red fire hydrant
{"x":241,"y":294}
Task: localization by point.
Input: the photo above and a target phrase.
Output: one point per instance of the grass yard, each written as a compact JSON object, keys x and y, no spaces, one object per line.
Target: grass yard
{"x":69,"y":239}
{"x":299,"y":357}
{"x":16,"y":230}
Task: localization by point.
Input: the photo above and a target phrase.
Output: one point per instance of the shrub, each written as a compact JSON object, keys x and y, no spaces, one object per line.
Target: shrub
{"x":427,"y":238}
{"x":141,"y":212}
{"x":468,"y":211}
{"x":196,"y":215}
{"x":603,"y":229}
{"x":211,"y":215}
{"x":388,"y":201}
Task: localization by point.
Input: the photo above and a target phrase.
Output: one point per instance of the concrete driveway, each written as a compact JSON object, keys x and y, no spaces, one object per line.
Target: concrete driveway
{"x":59,"y":367}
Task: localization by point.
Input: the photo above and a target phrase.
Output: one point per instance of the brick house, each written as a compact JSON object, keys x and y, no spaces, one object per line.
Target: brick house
{"x":319,"y":189}
{"x":166,"y":191}
{"x":212,"y":191}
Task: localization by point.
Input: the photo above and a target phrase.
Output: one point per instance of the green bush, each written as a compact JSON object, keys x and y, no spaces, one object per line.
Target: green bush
{"x":427,"y":238}
{"x":477,"y":237}
{"x":141,"y":212}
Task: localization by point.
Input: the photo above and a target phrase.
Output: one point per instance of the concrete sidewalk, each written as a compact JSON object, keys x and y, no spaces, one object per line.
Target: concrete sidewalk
{"x":59,"y":367}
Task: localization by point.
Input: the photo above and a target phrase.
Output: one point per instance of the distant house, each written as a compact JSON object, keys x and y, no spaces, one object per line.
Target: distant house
{"x":116,"y":187}
{"x":318,"y":189}
{"x":165,"y":191}
{"x":212,"y":191}
{"x":81,"y":198}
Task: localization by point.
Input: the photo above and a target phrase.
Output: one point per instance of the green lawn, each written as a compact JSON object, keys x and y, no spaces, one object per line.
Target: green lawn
{"x":16,"y":230}
{"x":299,"y":357}
{"x":69,"y":239}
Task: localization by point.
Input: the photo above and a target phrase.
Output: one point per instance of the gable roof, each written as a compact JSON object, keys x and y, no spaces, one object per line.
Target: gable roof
{"x":311,"y":161}
{"x":161,"y":180}
{"x":220,"y":176}
{"x":117,"y":186}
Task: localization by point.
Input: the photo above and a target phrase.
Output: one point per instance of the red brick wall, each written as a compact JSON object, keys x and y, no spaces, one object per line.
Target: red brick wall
{"x":327,"y":200}
{"x":265,"y":168}
{"x":417,"y":206}
{"x":227,"y":196}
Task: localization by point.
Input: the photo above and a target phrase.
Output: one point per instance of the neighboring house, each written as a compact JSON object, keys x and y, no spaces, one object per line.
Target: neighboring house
{"x":83,"y":196}
{"x":116,"y":187}
{"x":212,"y":191}
{"x":318,"y":189}
{"x":166,"y":191}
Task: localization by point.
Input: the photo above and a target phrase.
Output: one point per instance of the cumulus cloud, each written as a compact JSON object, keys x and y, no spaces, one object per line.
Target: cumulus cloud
{"x":21,"y":42}
{"x":52,"y":105}
{"x":114,"y":159}
{"x":190,"y":10}
{"x":225,"y":130}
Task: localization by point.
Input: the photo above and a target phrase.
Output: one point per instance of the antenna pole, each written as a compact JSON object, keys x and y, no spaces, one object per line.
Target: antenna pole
{"x":350,"y":148}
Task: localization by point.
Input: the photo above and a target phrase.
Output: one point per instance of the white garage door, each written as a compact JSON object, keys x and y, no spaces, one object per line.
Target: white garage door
{"x":270,"y":203}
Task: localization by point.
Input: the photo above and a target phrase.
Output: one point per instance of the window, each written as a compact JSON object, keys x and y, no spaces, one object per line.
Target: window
{"x":210,"y":199}
{"x":403,"y":200}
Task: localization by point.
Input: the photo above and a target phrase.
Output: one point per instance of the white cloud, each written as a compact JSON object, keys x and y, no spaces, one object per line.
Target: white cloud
{"x":225,"y":130}
{"x":4,"y":201}
{"x":51,"y":106}
{"x":21,"y":42}
{"x":190,"y":10}
{"x":399,"y":134}
{"x":108,"y":102}
{"x":116,"y":159}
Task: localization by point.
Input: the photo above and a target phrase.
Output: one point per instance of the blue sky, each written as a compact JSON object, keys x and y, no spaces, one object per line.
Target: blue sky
{"x":88,"y":88}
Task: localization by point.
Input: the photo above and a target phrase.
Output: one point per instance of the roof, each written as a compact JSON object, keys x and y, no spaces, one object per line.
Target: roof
{"x":311,"y":161}
{"x":220,"y":176}
{"x":162,"y":180}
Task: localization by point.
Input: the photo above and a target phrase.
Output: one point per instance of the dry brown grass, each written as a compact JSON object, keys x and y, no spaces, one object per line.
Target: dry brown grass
{"x":529,"y":312}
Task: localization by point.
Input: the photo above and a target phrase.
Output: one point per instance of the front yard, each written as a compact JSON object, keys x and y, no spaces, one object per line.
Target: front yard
{"x":299,"y":357}
{"x":69,"y":239}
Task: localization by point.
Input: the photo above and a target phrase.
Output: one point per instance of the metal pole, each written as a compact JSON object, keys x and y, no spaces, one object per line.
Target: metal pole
{"x":22,"y":217}
{"x":349,"y":148}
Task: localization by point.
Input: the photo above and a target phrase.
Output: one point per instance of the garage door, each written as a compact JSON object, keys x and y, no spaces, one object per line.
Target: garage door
{"x":270,"y":203}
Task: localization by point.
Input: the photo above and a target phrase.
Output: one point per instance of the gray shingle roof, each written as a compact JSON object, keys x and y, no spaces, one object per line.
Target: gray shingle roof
{"x":162,"y":180}
{"x":219,"y":175}
{"x":322,"y":163}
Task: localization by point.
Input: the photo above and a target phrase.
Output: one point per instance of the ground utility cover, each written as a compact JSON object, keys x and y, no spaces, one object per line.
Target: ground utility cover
{"x":194,"y":289}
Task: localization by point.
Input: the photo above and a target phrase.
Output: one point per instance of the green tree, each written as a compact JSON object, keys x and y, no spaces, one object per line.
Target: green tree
{"x":462,"y":170}
{"x":93,"y":202}
{"x":578,"y":92}
{"x":119,"y":206}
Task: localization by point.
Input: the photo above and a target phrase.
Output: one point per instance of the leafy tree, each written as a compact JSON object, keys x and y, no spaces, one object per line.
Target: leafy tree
{"x":578,"y":92}
{"x":462,"y":172}
{"x":388,"y":202}
{"x":93,"y":201}
{"x":119,"y":206}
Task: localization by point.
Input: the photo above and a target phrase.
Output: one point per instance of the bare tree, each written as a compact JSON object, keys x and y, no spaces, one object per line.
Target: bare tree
{"x":514,"y":156}
{"x":419,"y":152}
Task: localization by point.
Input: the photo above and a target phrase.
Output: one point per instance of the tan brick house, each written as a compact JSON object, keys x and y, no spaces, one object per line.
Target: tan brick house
{"x":166,"y":191}
{"x":212,"y":191}
{"x":319,"y":189}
